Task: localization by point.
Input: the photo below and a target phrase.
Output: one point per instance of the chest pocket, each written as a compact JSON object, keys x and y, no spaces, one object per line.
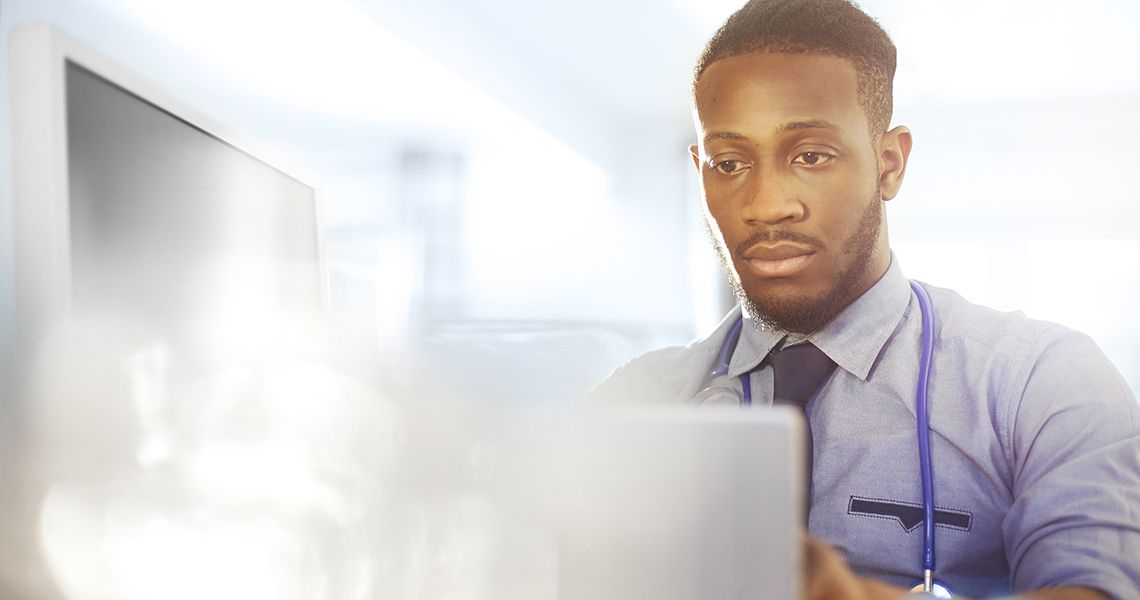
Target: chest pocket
{"x":908,"y":515}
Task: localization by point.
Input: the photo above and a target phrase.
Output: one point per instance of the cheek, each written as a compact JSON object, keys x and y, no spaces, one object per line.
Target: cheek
{"x":720,"y":222}
{"x":842,"y":205}
{"x":713,"y":206}
{"x":713,"y":221}
{"x":724,"y":200}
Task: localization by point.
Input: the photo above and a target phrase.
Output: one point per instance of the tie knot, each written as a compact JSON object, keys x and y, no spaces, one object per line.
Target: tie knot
{"x":797,"y":372}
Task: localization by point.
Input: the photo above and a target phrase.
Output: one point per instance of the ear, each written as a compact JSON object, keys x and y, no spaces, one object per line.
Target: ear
{"x":894,"y":149}
{"x":695,"y":153}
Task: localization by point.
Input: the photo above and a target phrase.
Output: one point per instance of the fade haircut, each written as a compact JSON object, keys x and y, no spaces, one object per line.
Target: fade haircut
{"x":829,"y":27}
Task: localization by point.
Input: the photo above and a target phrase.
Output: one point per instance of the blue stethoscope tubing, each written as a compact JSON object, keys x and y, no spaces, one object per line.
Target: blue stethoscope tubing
{"x":922,"y":420}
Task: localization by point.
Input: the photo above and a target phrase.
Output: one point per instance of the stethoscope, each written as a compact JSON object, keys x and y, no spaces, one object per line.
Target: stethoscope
{"x":928,"y":585}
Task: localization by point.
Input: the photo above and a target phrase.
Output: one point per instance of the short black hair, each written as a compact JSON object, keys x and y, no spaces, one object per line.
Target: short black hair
{"x":831,"y":27}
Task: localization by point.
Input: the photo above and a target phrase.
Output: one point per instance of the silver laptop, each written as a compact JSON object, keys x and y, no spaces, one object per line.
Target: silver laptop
{"x":682,"y":504}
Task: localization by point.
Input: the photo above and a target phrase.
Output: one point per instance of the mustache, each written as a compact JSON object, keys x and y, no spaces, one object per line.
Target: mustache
{"x":777,"y":235}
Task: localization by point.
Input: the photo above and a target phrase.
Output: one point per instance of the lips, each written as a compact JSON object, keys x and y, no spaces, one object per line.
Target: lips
{"x":778,"y":260}
{"x":779,"y":251}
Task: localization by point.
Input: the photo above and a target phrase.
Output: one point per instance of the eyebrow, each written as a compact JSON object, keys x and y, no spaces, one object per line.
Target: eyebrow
{"x":782,"y":128}
{"x":812,"y":124}
{"x":724,"y":135}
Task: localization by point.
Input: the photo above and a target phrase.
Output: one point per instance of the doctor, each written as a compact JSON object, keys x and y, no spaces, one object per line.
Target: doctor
{"x":1034,"y":437}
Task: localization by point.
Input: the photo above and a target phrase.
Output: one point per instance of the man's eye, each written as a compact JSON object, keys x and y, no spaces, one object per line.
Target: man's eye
{"x":813,"y":159}
{"x":728,"y":167}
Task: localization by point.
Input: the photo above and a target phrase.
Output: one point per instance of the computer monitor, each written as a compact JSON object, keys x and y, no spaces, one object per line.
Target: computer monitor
{"x":128,"y":203}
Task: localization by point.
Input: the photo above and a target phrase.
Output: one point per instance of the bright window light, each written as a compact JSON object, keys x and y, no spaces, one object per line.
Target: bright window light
{"x":323,"y":55}
{"x":962,"y":266}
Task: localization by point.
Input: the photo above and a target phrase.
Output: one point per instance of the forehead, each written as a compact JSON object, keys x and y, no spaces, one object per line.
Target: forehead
{"x":766,"y":89}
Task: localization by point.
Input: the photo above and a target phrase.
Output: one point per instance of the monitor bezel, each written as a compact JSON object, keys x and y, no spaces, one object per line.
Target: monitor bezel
{"x":38,"y":58}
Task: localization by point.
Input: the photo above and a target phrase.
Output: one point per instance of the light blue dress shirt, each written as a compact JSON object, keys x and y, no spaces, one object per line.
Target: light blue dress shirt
{"x":1035,"y":440}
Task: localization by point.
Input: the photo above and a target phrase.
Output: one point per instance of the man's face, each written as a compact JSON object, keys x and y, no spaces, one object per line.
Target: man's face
{"x":793,"y":184}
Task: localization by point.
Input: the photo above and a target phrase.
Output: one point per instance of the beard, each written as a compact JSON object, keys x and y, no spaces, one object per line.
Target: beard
{"x":805,"y":314}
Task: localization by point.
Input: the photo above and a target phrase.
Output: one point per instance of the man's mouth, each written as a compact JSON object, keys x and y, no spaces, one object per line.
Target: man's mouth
{"x":782,"y":259}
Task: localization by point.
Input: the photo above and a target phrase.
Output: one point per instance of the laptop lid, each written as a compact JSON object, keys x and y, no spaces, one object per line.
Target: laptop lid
{"x":680,"y":504}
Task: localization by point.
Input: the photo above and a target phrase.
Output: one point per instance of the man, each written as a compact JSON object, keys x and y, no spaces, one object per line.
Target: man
{"x":1035,"y":437}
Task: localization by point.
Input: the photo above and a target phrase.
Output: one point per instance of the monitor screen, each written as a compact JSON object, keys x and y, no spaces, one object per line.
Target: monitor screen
{"x":170,"y":224}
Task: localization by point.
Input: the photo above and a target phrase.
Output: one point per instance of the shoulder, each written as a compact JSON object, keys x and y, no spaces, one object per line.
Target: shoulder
{"x":1030,"y":365}
{"x":1010,"y":349}
{"x":659,"y":377}
{"x":670,"y":375}
{"x":959,"y":320}
{"x":1028,"y":349}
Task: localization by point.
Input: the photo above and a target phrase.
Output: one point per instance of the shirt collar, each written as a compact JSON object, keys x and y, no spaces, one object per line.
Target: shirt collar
{"x":853,"y":339}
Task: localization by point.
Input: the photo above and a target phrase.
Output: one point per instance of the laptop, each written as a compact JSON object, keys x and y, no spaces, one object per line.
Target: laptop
{"x":679,"y":504}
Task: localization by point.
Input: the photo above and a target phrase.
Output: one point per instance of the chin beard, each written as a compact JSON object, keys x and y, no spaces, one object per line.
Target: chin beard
{"x":805,"y":314}
{"x":798,"y":315}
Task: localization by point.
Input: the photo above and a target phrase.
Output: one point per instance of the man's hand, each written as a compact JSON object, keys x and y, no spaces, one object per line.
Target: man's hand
{"x":827,"y":577}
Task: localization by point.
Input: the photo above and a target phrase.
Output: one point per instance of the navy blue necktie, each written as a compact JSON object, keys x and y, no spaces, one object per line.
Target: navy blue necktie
{"x":797,"y":372}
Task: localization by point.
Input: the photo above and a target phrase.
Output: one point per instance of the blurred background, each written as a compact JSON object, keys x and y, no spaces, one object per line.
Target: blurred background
{"x":508,"y":211}
{"x":505,"y":190}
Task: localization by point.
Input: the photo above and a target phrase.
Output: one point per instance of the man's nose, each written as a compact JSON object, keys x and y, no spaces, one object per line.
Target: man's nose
{"x":770,"y":201}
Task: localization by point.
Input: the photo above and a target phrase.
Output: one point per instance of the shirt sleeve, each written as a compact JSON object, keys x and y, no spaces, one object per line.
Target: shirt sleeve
{"x":660,"y":377}
{"x":1073,"y":441}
